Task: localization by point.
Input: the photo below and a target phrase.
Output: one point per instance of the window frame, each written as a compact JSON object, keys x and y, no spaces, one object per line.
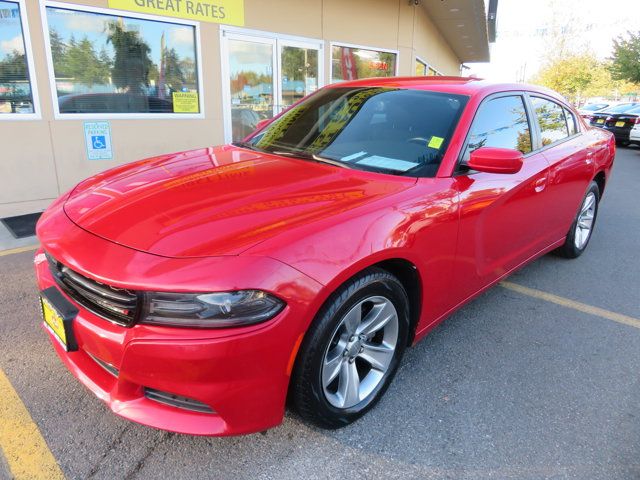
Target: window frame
{"x":44,"y":4}
{"x":532,"y":131}
{"x":277,"y":40}
{"x":28,"y":51}
{"x":539,"y":147}
{"x":419,"y":59}
{"x":362,"y":47}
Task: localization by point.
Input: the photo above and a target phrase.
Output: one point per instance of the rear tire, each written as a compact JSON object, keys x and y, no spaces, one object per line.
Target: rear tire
{"x":352,"y":350}
{"x":583,"y":225}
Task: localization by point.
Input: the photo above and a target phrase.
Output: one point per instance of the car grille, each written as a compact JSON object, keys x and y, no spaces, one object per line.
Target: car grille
{"x":114,"y":304}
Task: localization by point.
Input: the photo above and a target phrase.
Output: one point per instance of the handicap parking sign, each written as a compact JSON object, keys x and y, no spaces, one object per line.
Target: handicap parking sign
{"x":98,"y":142}
{"x":97,"y":137}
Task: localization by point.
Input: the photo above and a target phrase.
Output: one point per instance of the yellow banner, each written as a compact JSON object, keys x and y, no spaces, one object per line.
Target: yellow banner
{"x":230,"y":12}
{"x":186,"y":102}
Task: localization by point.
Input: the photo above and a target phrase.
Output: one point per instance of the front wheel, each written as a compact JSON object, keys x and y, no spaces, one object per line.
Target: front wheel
{"x":582,"y":227}
{"x":352,"y":350}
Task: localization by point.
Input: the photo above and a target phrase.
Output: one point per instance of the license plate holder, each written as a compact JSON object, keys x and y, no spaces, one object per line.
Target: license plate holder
{"x":58,"y":315}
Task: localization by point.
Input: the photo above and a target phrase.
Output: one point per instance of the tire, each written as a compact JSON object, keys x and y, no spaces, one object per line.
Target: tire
{"x":329,"y":347}
{"x":576,"y":243}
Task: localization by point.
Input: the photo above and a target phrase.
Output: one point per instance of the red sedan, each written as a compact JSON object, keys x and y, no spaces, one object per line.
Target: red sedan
{"x":200,"y":292}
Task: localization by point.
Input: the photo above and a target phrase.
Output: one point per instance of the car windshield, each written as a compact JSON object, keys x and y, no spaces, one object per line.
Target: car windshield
{"x":622,"y":108}
{"x":388,"y":130}
{"x":594,"y":106}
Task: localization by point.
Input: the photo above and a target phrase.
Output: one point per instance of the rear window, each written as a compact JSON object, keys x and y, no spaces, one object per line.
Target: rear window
{"x":388,"y":130}
{"x":622,"y":108}
{"x":551,"y":120}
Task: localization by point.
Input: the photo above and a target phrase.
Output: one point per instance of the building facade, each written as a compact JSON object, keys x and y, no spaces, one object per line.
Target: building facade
{"x":87,"y":85}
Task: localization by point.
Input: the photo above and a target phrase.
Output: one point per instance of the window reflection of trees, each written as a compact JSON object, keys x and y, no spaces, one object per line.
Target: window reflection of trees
{"x":501,"y":126}
{"x":110,"y":66}
{"x":551,"y":119}
{"x":15,"y":90}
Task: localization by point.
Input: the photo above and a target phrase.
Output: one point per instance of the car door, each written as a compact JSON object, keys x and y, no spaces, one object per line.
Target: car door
{"x":502,"y":217}
{"x":571,"y":162}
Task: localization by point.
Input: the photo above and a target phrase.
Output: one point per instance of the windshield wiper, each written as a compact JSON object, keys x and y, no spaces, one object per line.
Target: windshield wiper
{"x":248,"y":146}
{"x":309,"y":156}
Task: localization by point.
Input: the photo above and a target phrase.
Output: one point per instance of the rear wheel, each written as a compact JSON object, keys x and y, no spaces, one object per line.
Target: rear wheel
{"x":352,"y":350}
{"x":582,"y":227}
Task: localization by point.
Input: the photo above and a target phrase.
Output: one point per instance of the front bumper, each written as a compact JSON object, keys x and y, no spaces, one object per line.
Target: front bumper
{"x":242,"y":374}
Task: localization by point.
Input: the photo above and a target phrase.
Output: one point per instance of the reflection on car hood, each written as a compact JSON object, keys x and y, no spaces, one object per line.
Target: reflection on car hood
{"x":217,"y":201}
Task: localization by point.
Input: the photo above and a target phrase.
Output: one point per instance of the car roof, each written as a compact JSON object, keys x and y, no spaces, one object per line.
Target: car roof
{"x":470,"y":86}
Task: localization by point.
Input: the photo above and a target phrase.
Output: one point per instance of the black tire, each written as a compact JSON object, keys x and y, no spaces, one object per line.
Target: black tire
{"x":569,"y":249}
{"x":307,"y":392}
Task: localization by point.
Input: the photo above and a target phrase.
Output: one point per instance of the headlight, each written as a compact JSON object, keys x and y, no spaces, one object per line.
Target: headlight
{"x":210,"y":310}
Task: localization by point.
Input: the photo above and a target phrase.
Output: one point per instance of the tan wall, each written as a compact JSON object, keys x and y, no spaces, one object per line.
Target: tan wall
{"x":39,"y":159}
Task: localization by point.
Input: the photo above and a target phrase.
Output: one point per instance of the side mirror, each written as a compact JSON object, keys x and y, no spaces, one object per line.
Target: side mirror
{"x":261,"y":124}
{"x":496,"y":160}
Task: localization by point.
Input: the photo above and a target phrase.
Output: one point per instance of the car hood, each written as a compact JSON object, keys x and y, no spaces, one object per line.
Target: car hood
{"x":217,"y":201}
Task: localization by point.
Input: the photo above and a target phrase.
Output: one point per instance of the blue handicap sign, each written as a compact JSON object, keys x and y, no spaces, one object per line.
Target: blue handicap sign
{"x":99,"y":142}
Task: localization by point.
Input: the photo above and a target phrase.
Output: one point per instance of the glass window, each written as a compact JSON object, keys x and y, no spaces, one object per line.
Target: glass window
{"x":352,"y":63}
{"x":421,"y":68}
{"x":571,"y":122}
{"x":550,"y":115}
{"x":402,"y":132}
{"x":113,"y":64}
{"x":501,"y":122}
{"x":15,"y":86}
{"x":299,"y":67}
{"x":251,"y":77}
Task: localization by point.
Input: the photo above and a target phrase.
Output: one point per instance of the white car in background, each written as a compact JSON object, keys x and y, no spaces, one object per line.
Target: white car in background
{"x":634,"y":134}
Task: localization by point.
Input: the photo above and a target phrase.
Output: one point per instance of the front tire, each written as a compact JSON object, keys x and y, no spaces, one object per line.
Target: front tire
{"x":352,"y":350}
{"x":582,"y":227}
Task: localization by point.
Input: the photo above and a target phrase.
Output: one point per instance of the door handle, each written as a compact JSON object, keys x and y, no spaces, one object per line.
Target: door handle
{"x":540,"y":184}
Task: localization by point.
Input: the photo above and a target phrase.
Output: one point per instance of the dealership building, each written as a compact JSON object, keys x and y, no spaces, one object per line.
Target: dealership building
{"x":86,"y":85}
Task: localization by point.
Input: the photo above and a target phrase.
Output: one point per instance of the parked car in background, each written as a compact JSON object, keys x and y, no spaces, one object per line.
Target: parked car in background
{"x":634,"y":134}
{"x":586,"y":111}
{"x":620,"y":124}
{"x":200,"y":291}
{"x":598,"y":119}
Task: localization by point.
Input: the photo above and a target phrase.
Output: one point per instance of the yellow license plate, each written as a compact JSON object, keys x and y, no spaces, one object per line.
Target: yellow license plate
{"x":619,"y":124}
{"x":600,"y":120}
{"x":54,"y":321}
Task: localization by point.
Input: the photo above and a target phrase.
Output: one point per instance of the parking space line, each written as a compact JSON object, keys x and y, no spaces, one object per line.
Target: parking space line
{"x":565,"y":302}
{"x":24,"y":449}
{"x":18,"y":250}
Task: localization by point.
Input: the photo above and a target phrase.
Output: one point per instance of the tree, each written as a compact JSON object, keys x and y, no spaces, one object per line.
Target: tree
{"x":173,"y":75}
{"x":576,"y":76}
{"x":132,"y":62}
{"x":625,"y":63}
{"x":83,"y":64}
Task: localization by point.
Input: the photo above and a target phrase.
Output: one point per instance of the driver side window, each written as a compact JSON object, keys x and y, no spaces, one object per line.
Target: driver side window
{"x":501,"y":122}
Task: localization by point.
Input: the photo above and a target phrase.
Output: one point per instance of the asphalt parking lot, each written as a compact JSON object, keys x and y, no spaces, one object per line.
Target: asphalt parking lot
{"x":511,"y":386}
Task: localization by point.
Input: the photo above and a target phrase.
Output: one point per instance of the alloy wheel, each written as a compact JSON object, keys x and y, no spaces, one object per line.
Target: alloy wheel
{"x":360,"y":352}
{"x":585,"y":221}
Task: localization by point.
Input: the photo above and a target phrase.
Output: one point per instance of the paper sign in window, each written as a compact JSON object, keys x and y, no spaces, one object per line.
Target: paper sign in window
{"x":185,"y":102}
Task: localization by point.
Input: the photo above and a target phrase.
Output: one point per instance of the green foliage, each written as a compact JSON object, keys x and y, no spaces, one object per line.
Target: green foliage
{"x":132,"y":61}
{"x":174,"y":76}
{"x":13,"y":68}
{"x":580,"y":76}
{"x":625,"y":63}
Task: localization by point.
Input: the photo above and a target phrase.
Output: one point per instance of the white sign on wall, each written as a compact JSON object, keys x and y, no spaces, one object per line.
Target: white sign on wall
{"x":97,"y":137}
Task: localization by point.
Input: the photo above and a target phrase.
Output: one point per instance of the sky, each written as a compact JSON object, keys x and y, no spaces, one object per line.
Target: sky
{"x":93,"y":26}
{"x":10,"y":30}
{"x":526,"y":28}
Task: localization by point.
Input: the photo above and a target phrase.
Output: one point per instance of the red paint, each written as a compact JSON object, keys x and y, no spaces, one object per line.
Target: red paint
{"x":227,"y":218}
